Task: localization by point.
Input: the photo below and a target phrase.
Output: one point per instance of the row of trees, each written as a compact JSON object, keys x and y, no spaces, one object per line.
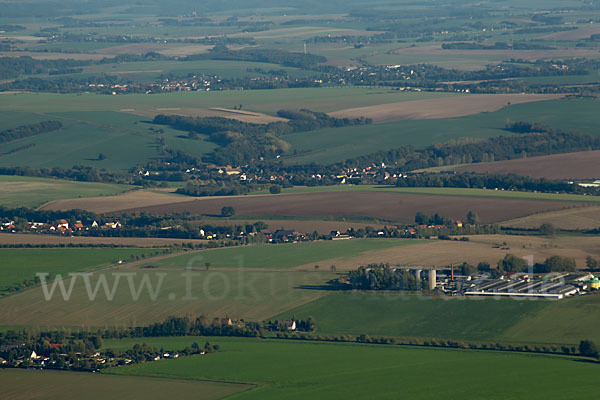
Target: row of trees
{"x":382,"y":277}
{"x":512,"y":263}
{"x":13,"y":67}
{"x":281,"y":57}
{"x":24,"y":131}
{"x":493,"y":181}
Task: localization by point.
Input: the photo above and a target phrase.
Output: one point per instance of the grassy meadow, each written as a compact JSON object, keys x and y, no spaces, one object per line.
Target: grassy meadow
{"x":21,"y":191}
{"x":300,"y":370}
{"x":17,"y":265}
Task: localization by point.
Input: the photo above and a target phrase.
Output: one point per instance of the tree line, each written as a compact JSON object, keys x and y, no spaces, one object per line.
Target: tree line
{"x":273,"y":56}
{"x":24,"y":131}
{"x":382,"y":277}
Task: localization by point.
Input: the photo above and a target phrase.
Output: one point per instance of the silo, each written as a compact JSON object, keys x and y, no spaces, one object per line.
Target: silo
{"x":432,"y":279}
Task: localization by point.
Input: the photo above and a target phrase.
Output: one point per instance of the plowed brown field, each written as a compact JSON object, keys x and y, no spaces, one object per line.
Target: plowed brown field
{"x":580,"y":165}
{"x":397,"y":207}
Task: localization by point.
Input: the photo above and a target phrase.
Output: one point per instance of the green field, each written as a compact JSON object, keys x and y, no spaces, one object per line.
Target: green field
{"x":335,"y":145}
{"x":21,"y":191}
{"x":17,"y":265}
{"x":519,"y":321}
{"x":282,"y":256}
{"x":86,"y":134}
{"x":300,"y":370}
{"x":266,"y":101}
{"x":95,"y":122}
{"x":19,"y":384}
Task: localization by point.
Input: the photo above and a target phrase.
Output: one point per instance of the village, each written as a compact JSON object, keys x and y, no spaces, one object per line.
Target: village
{"x":84,"y":351}
{"x":244,"y":174}
{"x":60,"y":226}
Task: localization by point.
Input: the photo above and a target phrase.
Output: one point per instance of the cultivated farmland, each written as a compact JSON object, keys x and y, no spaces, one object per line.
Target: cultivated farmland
{"x":581,"y":165}
{"x":23,"y":264}
{"x":327,"y":146}
{"x":342,"y":371}
{"x":580,"y":218}
{"x":25,"y":239}
{"x":19,"y":384}
{"x":133,"y":199}
{"x":449,"y":107}
{"x":284,"y":256}
{"x":21,"y":191}
{"x":473,"y":319}
{"x":386,"y":206}
{"x":251,"y":295}
{"x":480,"y":248}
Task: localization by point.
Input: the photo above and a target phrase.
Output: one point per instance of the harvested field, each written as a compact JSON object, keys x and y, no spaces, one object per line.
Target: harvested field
{"x":449,"y":107}
{"x":578,"y":219}
{"x":306,"y":226}
{"x":580,"y":165}
{"x":252,"y":295}
{"x":21,"y":238}
{"x":488,"y":248}
{"x":135,"y":199}
{"x":398,"y":207}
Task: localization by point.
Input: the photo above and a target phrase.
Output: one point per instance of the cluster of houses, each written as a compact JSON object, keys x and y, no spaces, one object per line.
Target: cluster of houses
{"x":34,"y":360}
{"x":346,"y":176}
{"x":59,"y":226}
